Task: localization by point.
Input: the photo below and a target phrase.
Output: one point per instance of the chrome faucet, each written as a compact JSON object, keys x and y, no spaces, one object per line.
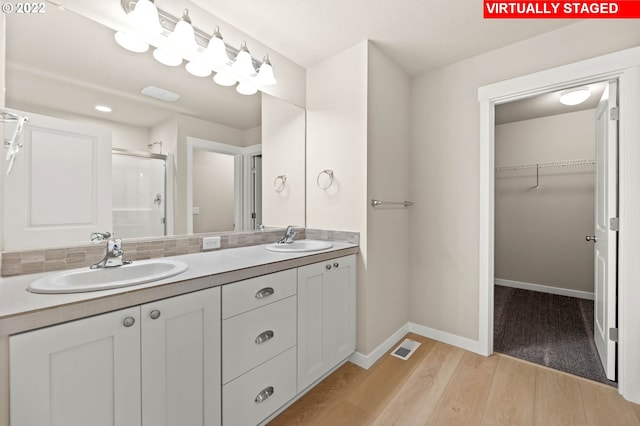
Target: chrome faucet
{"x":113,"y":256}
{"x":100,"y":236}
{"x":288,"y":236}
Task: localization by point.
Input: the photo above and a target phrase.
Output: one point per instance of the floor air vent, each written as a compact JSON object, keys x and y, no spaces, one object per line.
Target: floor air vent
{"x":406,"y":349}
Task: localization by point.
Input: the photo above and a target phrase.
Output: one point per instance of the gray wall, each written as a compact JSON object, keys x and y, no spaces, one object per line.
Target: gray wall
{"x":539,"y":233}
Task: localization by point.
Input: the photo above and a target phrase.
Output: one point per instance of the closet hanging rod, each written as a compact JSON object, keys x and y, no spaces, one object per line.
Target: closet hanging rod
{"x":375,"y":203}
{"x":550,"y":164}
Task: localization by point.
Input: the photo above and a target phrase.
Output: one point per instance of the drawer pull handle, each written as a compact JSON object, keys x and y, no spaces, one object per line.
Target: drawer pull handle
{"x":263,"y":337}
{"x":265,"y":292}
{"x":264,"y":394}
{"x":328,"y":267}
{"x":155,"y":314}
{"x":335,"y":265}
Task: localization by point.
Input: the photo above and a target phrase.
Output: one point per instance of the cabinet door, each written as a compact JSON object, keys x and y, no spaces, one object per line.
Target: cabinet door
{"x":181,"y":360}
{"x":85,"y":372}
{"x":339,"y":305}
{"x":326,"y":317}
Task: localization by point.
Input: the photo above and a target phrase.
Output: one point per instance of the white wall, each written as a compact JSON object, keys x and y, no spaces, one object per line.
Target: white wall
{"x":337,"y":140}
{"x":540,"y":233}
{"x":386,"y":292}
{"x":358,"y":126}
{"x":445,"y":164}
{"x":283,"y":153}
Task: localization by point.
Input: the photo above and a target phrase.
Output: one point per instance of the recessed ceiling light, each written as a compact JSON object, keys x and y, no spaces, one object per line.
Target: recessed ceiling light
{"x":575,"y":96}
{"x":161,"y":94}
{"x":103,"y":108}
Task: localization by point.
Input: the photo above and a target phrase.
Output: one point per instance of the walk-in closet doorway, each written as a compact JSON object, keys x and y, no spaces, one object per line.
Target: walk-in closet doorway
{"x":545,"y":217}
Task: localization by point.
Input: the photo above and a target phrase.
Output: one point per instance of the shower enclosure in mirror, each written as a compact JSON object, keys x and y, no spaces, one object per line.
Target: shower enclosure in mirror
{"x":141,"y":202}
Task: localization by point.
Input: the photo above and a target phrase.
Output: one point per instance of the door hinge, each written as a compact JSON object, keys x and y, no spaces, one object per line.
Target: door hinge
{"x":614,"y":113}
{"x":614,"y":224}
{"x":613,"y":334}
{"x":163,"y":220}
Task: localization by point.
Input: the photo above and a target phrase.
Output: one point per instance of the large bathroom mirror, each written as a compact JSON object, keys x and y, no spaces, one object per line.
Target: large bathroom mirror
{"x":63,"y":65}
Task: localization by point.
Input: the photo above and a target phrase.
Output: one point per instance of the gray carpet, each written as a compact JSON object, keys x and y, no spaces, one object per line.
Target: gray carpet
{"x":547,"y":329}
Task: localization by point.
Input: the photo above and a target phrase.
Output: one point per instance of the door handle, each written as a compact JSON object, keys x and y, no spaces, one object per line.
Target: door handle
{"x":591,"y":238}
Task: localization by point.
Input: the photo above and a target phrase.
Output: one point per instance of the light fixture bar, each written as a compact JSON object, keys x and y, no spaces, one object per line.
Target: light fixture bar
{"x":168,"y":23}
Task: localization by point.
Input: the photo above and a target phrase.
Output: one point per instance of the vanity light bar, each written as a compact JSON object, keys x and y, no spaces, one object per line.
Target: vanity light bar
{"x":168,"y":23}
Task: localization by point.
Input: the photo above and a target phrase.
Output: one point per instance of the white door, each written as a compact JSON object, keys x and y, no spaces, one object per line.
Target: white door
{"x":605,"y":247}
{"x":59,"y":190}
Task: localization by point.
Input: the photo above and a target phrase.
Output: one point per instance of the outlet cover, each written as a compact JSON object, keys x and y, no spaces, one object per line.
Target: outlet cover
{"x":210,"y":243}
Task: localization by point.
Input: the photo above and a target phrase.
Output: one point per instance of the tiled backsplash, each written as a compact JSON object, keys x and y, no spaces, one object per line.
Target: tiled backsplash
{"x":54,"y":259}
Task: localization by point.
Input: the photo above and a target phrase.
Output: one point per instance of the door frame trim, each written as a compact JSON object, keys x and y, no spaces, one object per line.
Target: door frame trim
{"x":624,"y":66}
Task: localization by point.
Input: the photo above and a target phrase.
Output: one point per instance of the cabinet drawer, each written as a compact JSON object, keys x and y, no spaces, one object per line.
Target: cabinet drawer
{"x":256,"y":336}
{"x":256,"y":292}
{"x":254,"y":396}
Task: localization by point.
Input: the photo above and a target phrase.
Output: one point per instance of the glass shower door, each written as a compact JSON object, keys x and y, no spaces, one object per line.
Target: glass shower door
{"x":139,"y":195}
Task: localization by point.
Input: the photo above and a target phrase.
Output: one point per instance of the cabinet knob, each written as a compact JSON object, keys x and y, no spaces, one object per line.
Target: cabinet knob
{"x":129,"y":321}
{"x":155,"y":314}
{"x":328,"y":267}
{"x":335,"y":265}
{"x":263,"y":337}
{"x":264,"y":394}
{"x":265,"y":292}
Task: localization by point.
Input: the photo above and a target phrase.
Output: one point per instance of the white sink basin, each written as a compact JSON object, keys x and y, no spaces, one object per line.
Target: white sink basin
{"x":300,"y":246}
{"x":85,"y":279}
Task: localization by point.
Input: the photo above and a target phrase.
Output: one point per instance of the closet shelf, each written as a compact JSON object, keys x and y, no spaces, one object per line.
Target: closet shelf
{"x":550,"y":164}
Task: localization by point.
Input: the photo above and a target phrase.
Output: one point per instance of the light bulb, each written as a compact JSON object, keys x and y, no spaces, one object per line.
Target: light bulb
{"x":224,"y":79}
{"x":265,"y":73}
{"x":243,"y":65}
{"x":198,"y":68}
{"x":131,"y":42}
{"x":167,"y":57}
{"x":245,"y":88}
{"x":145,"y":17}
{"x":216,"y":51}
{"x":183,"y":35}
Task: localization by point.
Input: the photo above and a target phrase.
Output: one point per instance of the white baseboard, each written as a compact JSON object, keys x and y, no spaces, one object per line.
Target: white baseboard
{"x":366,"y":361}
{"x":448,"y":338}
{"x":545,"y":289}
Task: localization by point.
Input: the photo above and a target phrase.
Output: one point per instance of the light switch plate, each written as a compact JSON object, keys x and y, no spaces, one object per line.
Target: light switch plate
{"x":196,"y":210}
{"x":210,"y":243}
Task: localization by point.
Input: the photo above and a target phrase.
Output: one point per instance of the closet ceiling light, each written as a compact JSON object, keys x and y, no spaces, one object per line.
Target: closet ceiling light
{"x":575,"y":96}
{"x":175,"y":39}
{"x":103,"y":108}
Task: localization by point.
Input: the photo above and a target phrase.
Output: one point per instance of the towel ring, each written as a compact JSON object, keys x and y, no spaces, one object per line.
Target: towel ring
{"x":279,"y":183}
{"x":329,"y":173}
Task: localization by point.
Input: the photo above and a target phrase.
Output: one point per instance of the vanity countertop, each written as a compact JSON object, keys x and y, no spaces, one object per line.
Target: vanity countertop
{"x":21,"y":310}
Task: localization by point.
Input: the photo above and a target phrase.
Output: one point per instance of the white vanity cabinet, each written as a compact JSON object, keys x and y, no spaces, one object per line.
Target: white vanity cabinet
{"x":258,"y":347}
{"x":326,"y":317}
{"x":85,"y":372}
{"x":158,"y":364}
